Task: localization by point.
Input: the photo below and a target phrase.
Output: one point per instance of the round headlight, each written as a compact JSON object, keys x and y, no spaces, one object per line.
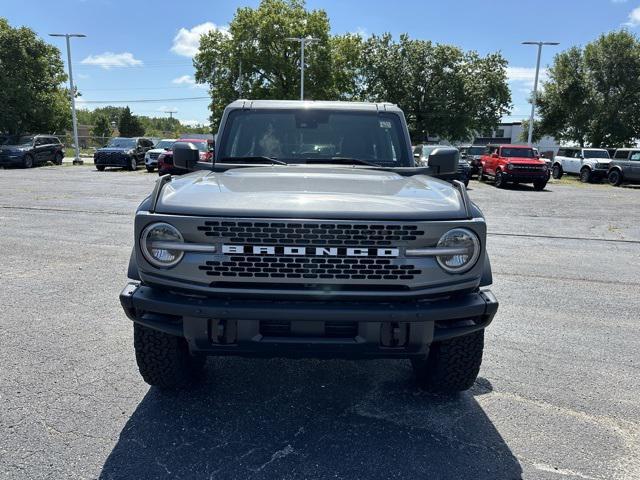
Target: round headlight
{"x":153,"y":243}
{"x":468,"y":246}
{"x":509,"y":166}
{"x":545,"y":167}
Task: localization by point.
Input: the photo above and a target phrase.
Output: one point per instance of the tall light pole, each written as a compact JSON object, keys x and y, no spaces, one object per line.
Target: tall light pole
{"x":535,"y":86}
{"x":303,"y":42}
{"x":72,"y":92}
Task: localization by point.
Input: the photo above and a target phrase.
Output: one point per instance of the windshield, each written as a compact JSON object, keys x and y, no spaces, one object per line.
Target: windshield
{"x":596,"y":154}
{"x":201,"y":145}
{"x":476,"y":150}
{"x":297,"y":135}
{"x":164,"y":144}
{"x":518,"y":152}
{"x":122,"y":143}
{"x":21,"y":140}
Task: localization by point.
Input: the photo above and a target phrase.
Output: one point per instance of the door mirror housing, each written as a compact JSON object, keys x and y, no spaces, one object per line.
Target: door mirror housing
{"x":185,"y":155}
{"x":443,"y":161}
{"x":416,"y":155}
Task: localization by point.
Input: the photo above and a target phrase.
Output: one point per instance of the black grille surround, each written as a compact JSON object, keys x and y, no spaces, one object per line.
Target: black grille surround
{"x":305,"y":233}
{"x":527,"y":168}
{"x":109,"y":158}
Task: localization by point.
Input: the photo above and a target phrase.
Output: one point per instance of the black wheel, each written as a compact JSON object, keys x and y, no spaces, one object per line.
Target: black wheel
{"x":615,"y":177}
{"x":585,"y":175}
{"x":58,"y":159}
{"x":499,"y":181}
{"x":556,"y":172}
{"x":481,"y":176}
{"x":27,"y":161}
{"x":150,"y":169}
{"x":133,"y":164}
{"x":100,"y":168}
{"x":538,"y":185}
{"x":164,"y":360}
{"x":452,"y":365}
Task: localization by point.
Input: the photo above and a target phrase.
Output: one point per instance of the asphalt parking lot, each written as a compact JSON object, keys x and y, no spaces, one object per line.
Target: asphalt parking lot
{"x":557,"y":398}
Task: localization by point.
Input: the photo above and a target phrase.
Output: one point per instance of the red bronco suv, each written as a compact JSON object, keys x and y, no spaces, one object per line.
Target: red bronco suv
{"x":514,"y":163}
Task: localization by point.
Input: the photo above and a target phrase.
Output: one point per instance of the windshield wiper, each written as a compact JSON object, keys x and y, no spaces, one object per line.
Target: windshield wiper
{"x":257,"y":159}
{"x":347,"y":160}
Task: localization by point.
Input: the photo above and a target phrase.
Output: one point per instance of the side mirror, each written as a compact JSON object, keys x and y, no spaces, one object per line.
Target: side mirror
{"x":416,"y":155}
{"x":185,"y":155}
{"x":494,"y":155}
{"x":444,"y":161}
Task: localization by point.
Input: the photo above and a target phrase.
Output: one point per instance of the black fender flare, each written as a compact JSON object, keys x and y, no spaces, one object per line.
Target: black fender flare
{"x":132,"y":271}
{"x":487,"y":275}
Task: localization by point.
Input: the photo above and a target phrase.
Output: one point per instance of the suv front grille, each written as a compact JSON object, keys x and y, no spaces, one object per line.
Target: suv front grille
{"x":528,"y":168}
{"x":320,"y":234}
{"x":261,"y":267}
{"x":154,"y":155}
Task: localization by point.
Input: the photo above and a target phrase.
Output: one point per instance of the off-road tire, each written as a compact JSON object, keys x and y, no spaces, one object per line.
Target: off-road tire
{"x":27,"y":161}
{"x":556,"y":172}
{"x":585,"y":175}
{"x":100,"y":168}
{"x":57,"y":160}
{"x":164,"y":360}
{"x":615,"y":177}
{"x":452,"y":365}
{"x":538,"y":185}
{"x":499,"y":181}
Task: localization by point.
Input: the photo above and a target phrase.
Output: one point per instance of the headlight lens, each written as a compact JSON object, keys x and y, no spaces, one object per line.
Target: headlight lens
{"x":160,"y":257}
{"x":545,"y":167}
{"x":509,"y":166}
{"x":465,"y":240}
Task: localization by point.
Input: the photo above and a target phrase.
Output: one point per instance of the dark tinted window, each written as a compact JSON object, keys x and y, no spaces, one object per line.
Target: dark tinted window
{"x":621,"y":154}
{"x":476,"y":150}
{"x":20,"y":140}
{"x":119,"y":142}
{"x":296,"y":135}
{"x":510,"y":152}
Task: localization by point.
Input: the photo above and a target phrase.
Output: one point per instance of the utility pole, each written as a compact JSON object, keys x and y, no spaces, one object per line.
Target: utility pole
{"x":72,"y":92}
{"x":303,"y":42}
{"x":171,"y":112}
{"x":535,"y":86}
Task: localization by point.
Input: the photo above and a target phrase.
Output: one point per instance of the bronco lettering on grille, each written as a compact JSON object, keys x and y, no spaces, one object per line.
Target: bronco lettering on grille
{"x":310,"y":251}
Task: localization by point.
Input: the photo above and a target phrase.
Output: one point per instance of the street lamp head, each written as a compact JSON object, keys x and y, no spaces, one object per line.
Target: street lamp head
{"x":540,"y":43}
{"x":80,"y":35}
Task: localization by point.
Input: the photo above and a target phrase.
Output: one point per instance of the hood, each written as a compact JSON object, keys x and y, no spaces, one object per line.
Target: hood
{"x":525,"y":160}
{"x":311,"y":192}
{"x":14,"y":148}
{"x":113,"y":149}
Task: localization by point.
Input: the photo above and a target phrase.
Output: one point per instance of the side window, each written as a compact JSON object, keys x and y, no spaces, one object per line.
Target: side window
{"x":562,"y":152}
{"x":635,"y":157}
{"x":417,"y":150}
{"x":40,"y":141}
{"x":577,"y":153}
{"x":621,"y":154}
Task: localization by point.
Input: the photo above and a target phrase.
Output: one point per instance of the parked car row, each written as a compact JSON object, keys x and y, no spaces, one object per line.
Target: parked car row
{"x":421,"y":154}
{"x":130,"y":152}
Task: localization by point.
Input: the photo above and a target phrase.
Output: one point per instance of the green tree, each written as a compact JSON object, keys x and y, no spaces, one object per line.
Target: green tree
{"x":257,"y":43}
{"x":102,"y":127}
{"x":593,"y":93}
{"x":129,"y":125}
{"x":33,"y":96}
{"x":443,"y":90}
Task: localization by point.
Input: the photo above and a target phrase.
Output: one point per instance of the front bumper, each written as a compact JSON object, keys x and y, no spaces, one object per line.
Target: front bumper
{"x":336,"y":329}
{"x":11,"y":160}
{"x":525,"y":177}
{"x":120,"y":161}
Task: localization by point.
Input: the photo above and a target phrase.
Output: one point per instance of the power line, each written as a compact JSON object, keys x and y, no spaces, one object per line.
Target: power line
{"x":148,"y":100}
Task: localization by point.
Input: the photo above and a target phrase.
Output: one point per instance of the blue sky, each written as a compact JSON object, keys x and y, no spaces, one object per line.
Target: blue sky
{"x":141,"y":49}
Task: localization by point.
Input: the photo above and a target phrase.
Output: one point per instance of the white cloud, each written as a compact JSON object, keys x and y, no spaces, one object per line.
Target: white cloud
{"x":109,"y":60}
{"x":193,"y":123}
{"x":188,"y":80}
{"x":634,"y":18}
{"x":83,"y":76}
{"x":187,"y":41}
{"x":184,"y":80}
{"x":525,"y":75}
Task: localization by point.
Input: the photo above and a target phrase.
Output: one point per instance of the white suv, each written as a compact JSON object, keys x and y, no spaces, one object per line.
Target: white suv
{"x":151,"y":157}
{"x":590,"y":163}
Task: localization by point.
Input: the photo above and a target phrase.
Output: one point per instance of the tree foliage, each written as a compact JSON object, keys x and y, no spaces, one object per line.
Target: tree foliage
{"x":33,"y":96}
{"x":129,"y":125}
{"x":593,"y":93}
{"x":102,"y":127}
{"x":443,"y":90}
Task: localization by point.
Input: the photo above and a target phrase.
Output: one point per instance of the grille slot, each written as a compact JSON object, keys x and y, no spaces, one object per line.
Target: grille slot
{"x":528,"y":168}
{"x":304,"y":268}
{"x":304,"y":233}
{"x":278,"y":328}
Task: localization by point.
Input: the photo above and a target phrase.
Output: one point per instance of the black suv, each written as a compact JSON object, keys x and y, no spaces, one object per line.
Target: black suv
{"x":29,"y":150}
{"x":122,"y":152}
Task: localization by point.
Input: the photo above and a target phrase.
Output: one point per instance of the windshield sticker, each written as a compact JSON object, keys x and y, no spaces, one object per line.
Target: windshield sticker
{"x":385,"y":124}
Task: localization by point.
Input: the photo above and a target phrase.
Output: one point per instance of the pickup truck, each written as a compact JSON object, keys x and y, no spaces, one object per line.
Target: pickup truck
{"x":313,"y":234}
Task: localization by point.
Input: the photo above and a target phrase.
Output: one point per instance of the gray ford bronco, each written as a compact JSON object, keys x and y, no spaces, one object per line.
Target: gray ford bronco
{"x":312,"y":235}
